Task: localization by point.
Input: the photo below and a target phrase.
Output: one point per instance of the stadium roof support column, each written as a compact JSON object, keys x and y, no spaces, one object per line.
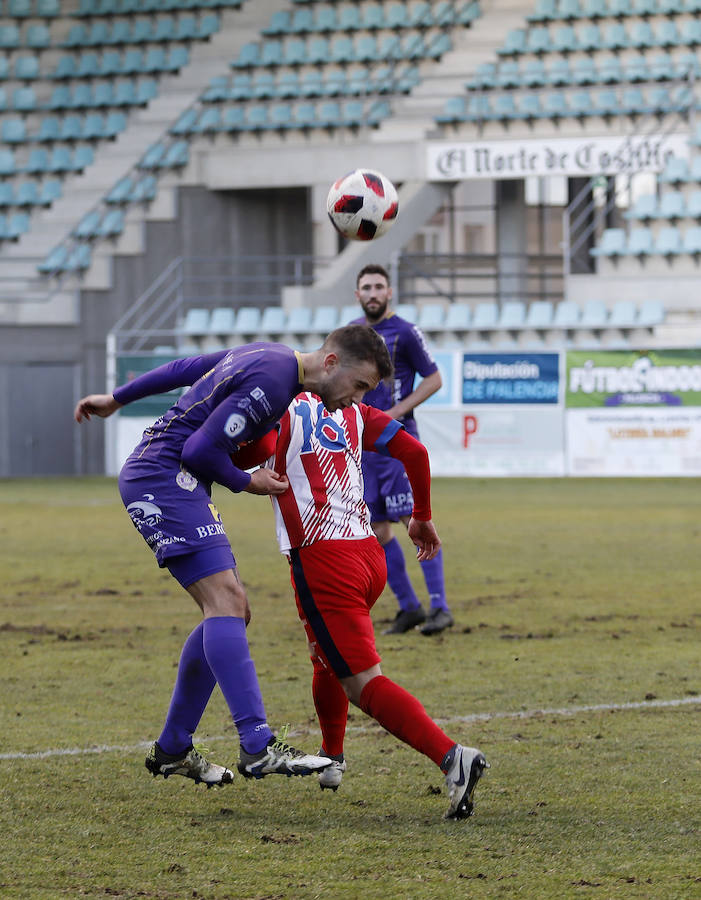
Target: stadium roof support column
{"x":512,"y":240}
{"x":418,"y":202}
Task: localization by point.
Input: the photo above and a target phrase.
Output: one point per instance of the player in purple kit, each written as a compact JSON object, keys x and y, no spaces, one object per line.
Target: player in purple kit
{"x":387,"y":488}
{"x":234,"y":397}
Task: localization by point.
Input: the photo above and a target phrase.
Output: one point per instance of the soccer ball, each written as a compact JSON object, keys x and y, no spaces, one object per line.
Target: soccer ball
{"x":362,"y":205}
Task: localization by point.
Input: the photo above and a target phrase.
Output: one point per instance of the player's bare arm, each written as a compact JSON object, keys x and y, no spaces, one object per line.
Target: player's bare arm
{"x":102,"y":405}
{"x":426,"y":388}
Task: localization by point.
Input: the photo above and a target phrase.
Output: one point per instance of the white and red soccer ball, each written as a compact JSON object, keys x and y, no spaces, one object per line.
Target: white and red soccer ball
{"x":362,"y":205}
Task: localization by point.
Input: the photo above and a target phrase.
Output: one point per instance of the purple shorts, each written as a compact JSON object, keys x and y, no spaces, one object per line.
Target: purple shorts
{"x":174,"y":513}
{"x":387,"y":489}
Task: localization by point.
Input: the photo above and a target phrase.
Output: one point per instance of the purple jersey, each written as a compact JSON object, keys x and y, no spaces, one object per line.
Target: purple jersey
{"x":410,"y":356}
{"x":236,"y":396}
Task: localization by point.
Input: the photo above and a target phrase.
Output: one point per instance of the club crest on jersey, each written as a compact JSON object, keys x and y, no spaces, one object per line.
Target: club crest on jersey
{"x":185,"y":480}
{"x":235,"y":424}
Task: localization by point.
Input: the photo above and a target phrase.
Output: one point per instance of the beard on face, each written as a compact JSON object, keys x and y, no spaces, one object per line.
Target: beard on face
{"x":377,"y":313}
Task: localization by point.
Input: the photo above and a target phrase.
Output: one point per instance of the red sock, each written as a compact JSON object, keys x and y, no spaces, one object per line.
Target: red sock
{"x":331,"y":708}
{"x":404,"y":717}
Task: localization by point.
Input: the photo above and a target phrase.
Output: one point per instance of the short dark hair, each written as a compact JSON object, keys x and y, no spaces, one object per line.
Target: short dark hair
{"x":361,"y":343}
{"x":372,"y":269}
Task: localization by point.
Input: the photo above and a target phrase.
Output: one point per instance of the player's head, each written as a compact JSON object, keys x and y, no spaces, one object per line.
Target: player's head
{"x":354,"y":359}
{"x":373,"y":291}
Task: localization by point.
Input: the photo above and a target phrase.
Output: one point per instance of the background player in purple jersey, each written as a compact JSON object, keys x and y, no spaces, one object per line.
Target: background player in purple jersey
{"x":387,"y":488}
{"x":234,"y":397}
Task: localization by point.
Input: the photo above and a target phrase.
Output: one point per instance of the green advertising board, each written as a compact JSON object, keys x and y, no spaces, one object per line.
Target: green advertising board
{"x":129,"y":368}
{"x":625,"y":378}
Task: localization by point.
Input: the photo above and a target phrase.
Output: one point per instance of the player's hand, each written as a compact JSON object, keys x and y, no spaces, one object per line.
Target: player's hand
{"x":102,"y":405}
{"x":265,"y":481}
{"x":425,"y":537}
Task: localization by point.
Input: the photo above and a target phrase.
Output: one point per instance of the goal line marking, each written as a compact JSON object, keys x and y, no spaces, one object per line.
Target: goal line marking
{"x":475,"y":717}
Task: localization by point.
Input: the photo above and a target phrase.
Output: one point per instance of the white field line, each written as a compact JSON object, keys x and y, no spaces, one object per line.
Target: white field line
{"x":476,"y":717}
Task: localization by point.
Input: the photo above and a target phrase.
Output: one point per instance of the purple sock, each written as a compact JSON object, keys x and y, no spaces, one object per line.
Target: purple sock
{"x":435,"y":583}
{"x":226,"y":649}
{"x":397,"y":576}
{"x":193,"y":688}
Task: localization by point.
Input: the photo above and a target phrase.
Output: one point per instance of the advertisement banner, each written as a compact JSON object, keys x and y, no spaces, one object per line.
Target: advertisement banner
{"x":585,"y":157}
{"x":625,"y":378}
{"x":634,"y":442}
{"x":489,"y":441}
{"x":510,"y":378}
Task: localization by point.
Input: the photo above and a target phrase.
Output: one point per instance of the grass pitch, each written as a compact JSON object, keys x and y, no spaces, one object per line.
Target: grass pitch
{"x":574,"y":665}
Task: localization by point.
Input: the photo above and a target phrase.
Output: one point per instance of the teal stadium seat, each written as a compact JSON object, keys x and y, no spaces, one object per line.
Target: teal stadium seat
{"x":324,"y":319}
{"x":644,"y":208}
{"x":249,"y":55}
{"x":615,"y":37}
{"x":349,"y":18}
{"x":7,"y":194}
{"x":209,"y":122}
{"x":27,"y":194}
{"x":121,"y":191}
{"x":668,"y":242}
{"x":514,"y":43}
{"x":512,"y":315}
{"x":693,"y":205}
{"x":111,"y":225}
{"x":485,"y":316}
{"x":651,"y":313}
{"x":672,"y":206}
{"x":373,"y":17}
{"x":9,"y":37}
{"x":540,"y":315}
{"x":676,"y":171}
{"x":299,"y":321}
{"x":50,"y":189}
{"x":26,"y":68}
{"x":623,"y":314}
{"x":397,"y":16}
{"x":640,"y":242}
{"x":407,"y":311}
{"x":584,"y":71}
{"x":319,"y":53}
{"x":86,"y":229}
{"x":273,"y":321}
{"x":555,"y":105}
{"x":567,"y":315}
{"x":534,"y":73}
{"x":196,"y":322}
{"x":458,"y":317}
{"x":594,"y":315}
{"x":304,"y":22}
{"x":20,"y":9}
{"x":691,"y":242}
{"x":545,"y":11}
{"x":431,"y":317}
{"x":233,"y":119}
{"x":222,"y":321}
{"x":565,"y":40}
{"x":13,"y":131}
{"x":280,"y":23}
{"x":612,"y":244}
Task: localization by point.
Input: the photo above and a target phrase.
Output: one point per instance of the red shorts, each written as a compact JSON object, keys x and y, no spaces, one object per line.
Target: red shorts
{"x":336,"y":584}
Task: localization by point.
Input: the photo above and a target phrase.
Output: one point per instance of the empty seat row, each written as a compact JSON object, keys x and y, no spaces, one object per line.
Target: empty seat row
{"x":67,"y":259}
{"x":113,"y":63}
{"x":99,"y":223}
{"x":165,"y":155}
{"x":27,"y":9}
{"x":36,"y":37}
{"x":91,"y":8}
{"x":290,"y":84}
{"x":589,"y":38}
{"x":631,"y":101}
{"x":328,"y":114}
{"x":371,"y":17}
{"x":61,"y":160}
{"x":142,"y":31}
{"x":671,"y":205}
{"x":560,"y":72}
{"x":342,"y":50}
{"x":126,"y":92}
{"x":133,"y":189}
{"x":14,"y":226}
{"x":432,"y":318}
{"x":678,"y":171}
{"x":554,"y":10}
{"x":91,"y":127}
{"x":669,"y":241}
{"x":30,"y":193}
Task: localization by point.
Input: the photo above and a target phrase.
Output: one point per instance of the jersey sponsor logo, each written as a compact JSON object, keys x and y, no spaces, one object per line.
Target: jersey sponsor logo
{"x":145,"y":512}
{"x":186,"y":481}
{"x":235,"y":424}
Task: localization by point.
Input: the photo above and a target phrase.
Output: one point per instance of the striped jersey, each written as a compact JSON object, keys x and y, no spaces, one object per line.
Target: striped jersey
{"x":320,"y":453}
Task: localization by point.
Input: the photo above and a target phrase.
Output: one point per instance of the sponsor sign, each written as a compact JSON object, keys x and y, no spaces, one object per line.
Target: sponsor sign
{"x":445,"y":396}
{"x":585,"y":157}
{"x":493,"y":441}
{"x":489,"y":378}
{"x":621,"y":378}
{"x":634,"y":442}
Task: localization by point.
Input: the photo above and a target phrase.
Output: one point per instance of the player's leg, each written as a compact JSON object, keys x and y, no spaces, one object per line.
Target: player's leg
{"x":388,"y":496}
{"x":175,"y":515}
{"x":439,"y":616}
{"x":400,"y":713}
{"x":331,"y":704}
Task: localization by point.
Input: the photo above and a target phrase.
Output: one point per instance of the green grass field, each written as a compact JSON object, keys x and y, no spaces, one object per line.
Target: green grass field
{"x":574,"y":664}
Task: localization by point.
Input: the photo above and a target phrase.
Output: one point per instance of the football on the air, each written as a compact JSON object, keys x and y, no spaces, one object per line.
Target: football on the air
{"x":362,"y":205}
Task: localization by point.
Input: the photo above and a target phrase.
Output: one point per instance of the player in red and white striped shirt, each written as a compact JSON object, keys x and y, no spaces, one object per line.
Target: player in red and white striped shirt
{"x":338,"y":571}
